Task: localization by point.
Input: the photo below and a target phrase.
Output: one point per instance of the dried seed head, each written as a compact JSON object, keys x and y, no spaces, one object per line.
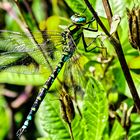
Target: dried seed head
{"x":67,"y":108}
{"x":134,"y":26}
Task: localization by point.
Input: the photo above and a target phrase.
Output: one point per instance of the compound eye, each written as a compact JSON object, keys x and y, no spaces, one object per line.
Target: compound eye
{"x":78,"y":19}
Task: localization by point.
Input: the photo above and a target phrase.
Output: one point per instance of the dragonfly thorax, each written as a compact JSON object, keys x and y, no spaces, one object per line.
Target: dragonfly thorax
{"x":64,"y":38}
{"x":78,"y":19}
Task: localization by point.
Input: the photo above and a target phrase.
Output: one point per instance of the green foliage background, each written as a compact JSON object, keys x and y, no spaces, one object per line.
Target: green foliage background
{"x":107,"y":107}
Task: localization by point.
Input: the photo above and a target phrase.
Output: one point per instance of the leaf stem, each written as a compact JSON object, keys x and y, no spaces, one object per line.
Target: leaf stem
{"x":107,"y":10}
{"x":119,"y":52}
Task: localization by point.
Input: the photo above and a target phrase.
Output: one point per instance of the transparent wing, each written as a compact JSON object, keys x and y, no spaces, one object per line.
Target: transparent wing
{"x":74,"y":74}
{"x":19,"y":50}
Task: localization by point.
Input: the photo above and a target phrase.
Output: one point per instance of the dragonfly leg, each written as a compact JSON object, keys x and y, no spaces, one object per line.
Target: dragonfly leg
{"x":90,"y":29}
{"x":86,"y":46}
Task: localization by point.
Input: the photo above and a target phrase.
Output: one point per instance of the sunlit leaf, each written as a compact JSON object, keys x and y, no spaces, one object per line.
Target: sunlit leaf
{"x":134,"y":132}
{"x":78,"y":6}
{"x":117,"y":132}
{"x":95,"y":109}
{"x":4,"y":117}
{"x":120,"y":80}
{"x":51,"y":119}
{"x":135,"y":63}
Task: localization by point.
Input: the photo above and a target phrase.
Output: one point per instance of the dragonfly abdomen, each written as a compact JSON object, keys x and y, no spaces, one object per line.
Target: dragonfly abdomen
{"x":44,"y":90}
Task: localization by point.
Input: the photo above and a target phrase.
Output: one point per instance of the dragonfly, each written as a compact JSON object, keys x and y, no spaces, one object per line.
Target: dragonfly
{"x":68,"y":39}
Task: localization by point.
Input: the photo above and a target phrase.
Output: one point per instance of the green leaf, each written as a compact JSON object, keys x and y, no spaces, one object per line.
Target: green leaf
{"x":134,"y":63}
{"x":106,"y":132}
{"x":40,"y":14}
{"x":134,"y":132}
{"x":43,"y":139}
{"x":98,"y":6}
{"x":77,"y":130}
{"x":4,"y":117}
{"x":51,"y":120}
{"x":119,"y":79}
{"x":136,"y":79}
{"x":117,"y":132}
{"x":78,"y":6}
{"x":22,"y":79}
{"x":95,"y":110}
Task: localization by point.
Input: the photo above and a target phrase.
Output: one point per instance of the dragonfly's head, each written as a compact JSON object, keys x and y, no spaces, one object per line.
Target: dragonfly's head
{"x":78,"y":19}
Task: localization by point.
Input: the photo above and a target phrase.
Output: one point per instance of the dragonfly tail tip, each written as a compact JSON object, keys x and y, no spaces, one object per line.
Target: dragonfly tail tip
{"x":20,"y":132}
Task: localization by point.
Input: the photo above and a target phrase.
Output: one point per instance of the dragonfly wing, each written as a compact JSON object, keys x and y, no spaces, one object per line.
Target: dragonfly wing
{"x":74,"y":74}
{"x":20,"y":49}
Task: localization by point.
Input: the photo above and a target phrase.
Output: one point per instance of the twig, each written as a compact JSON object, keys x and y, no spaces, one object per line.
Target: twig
{"x":119,"y":52}
{"x":109,"y":15}
{"x":107,"y":10}
{"x":22,"y":98}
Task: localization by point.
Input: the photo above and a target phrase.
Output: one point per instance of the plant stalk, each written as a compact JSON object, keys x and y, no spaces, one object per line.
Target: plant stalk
{"x":107,"y":10}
